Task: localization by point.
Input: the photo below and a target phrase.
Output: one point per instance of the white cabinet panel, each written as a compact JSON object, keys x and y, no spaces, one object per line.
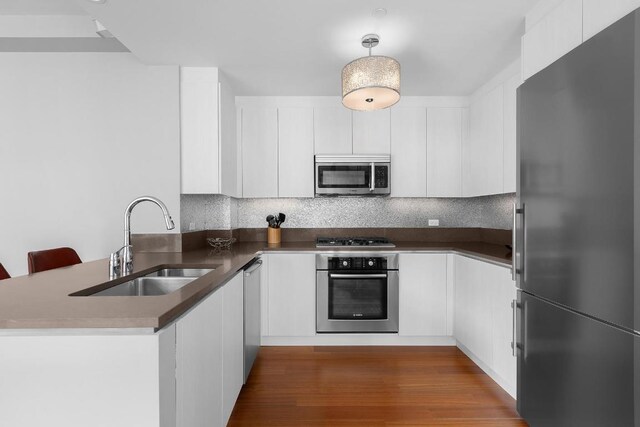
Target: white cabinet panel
{"x":504,"y":363}
{"x":423,"y":294}
{"x":408,"y":152}
{"x":599,"y":14}
{"x":230,"y":185}
{"x":444,"y":152}
{"x":555,"y":35}
{"x":232,"y":344}
{"x":482,"y":152}
{"x":199,"y":130}
{"x":295,"y":152}
{"x":199,"y":338}
{"x":332,"y":130}
{"x":372,"y":132}
{"x":259,"y":152}
{"x":510,"y":133}
{"x":292,"y":295}
{"x":483,"y":317}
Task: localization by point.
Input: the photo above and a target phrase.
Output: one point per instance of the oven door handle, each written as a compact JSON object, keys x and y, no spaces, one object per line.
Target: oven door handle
{"x":358,"y":276}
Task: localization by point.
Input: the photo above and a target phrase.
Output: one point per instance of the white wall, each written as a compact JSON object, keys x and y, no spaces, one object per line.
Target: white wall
{"x":81,"y":135}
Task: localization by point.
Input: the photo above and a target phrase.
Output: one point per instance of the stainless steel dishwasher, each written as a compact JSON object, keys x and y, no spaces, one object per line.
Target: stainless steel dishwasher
{"x":251,"y":315}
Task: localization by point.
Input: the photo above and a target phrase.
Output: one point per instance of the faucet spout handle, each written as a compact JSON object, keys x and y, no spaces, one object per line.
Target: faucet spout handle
{"x":115,"y":265}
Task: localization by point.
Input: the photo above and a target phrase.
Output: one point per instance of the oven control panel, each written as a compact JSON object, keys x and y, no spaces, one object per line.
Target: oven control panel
{"x":357,"y":263}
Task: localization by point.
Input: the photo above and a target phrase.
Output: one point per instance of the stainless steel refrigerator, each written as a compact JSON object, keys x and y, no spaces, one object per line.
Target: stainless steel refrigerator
{"x":577,"y":244}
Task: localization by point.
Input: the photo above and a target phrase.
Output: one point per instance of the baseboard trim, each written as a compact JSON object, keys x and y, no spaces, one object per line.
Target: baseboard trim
{"x":358,"y":340}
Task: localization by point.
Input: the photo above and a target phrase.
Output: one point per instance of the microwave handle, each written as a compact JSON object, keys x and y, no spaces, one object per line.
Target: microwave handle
{"x":372,"y":178}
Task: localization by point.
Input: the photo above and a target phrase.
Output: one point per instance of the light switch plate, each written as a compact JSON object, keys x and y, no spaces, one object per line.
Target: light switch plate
{"x":434,"y":222}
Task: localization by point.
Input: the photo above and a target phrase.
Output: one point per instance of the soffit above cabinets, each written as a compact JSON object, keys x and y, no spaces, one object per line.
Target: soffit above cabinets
{"x":298,"y":47}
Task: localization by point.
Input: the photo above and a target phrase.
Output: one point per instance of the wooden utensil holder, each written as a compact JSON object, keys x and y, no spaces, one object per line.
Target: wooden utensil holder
{"x":274,"y":235}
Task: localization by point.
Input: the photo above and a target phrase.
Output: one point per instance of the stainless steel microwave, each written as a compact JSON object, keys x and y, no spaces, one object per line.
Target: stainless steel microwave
{"x":353,"y":175}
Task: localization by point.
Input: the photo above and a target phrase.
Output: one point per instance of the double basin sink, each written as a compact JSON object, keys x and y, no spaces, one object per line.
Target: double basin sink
{"x":159,"y":282}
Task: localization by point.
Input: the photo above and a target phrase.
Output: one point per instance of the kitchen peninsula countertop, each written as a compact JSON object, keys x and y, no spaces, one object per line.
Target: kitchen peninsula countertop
{"x":43,"y":301}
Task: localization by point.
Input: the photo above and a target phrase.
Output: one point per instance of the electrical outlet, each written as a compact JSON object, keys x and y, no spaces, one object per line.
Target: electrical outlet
{"x":434,"y":222}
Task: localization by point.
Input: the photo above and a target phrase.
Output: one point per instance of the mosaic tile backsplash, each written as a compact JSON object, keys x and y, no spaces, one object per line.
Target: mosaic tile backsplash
{"x":214,"y":212}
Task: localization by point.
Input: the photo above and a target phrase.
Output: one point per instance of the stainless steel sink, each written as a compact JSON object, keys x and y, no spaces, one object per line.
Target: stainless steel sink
{"x":147,"y":286}
{"x":180,"y":272}
{"x":160,"y":282}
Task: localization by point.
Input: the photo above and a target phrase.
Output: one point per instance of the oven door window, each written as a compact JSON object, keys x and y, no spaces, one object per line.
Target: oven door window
{"x":344,"y":176}
{"x":358,"y":298}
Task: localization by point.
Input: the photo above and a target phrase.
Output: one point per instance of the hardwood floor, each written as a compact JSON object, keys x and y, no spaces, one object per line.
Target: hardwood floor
{"x":370,"y":386}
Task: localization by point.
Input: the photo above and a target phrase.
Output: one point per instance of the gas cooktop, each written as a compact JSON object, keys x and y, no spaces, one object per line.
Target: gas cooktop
{"x":380,"y":242}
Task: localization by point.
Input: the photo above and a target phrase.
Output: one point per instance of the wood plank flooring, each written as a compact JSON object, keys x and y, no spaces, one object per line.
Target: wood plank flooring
{"x":371,"y":386}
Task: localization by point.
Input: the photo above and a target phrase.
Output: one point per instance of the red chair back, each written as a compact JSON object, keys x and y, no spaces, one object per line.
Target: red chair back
{"x":3,"y":273}
{"x":52,"y":258}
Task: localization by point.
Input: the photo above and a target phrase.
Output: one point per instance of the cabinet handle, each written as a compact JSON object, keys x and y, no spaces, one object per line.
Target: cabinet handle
{"x":514,"y":313}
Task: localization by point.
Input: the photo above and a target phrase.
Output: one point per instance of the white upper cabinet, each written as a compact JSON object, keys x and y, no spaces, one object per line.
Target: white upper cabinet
{"x":553,"y":36}
{"x":332,"y":130}
{"x":482,"y":151}
{"x":230,"y":181}
{"x":408,"y":152}
{"x":599,"y":14}
{"x":510,"y":132}
{"x":295,"y":152}
{"x":259,"y":152}
{"x":199,"y":130}
{"x":209,"y":150}
{"x":372,"y":132}
{"x":444,"y":152}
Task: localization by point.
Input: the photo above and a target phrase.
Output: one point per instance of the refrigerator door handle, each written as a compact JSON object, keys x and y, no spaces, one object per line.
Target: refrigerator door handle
{"x":514,"y":312}
{"x":515,"y":253}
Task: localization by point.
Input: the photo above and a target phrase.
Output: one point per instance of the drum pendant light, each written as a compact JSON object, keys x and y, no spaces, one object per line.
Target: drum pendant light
{"x":371,"y":82}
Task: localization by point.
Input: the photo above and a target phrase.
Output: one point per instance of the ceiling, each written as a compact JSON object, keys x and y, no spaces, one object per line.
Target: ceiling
{"x":298,"y":47}
{"x":40,"y":7}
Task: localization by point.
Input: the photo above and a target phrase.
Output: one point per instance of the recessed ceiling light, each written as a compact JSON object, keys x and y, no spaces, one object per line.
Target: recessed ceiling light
{"x":97,"y":1}
{"x":379,"y":12}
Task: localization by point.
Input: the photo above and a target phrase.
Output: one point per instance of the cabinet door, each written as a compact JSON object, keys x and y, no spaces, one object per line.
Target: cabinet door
{"x":295,"y":152}
{"x":599,"y":14}
{"x":372,"y":132}
{"x":199,"y":364}
{"x":444,"y":152}
{"x":199,"y":131}
{"x":229,"y":160}
{"x":482,"y":152}
{"x":555,"y":35}
{"x":504,"y":364}
{"x":232,"y":344}
{"x":510,"y":133}
{"x":259,"y":152}
{"x":292,"y":295}
{"x":423,"y":294}
{"x":332,"y":130}
{"x":473,"y":294}
{"x":408,"y":152}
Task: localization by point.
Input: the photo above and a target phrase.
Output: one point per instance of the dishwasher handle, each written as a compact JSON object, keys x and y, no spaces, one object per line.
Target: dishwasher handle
{"x":253,"y":268}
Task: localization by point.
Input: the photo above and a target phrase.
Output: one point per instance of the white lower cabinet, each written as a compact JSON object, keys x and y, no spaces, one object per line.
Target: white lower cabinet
{"x":423,"y":295}
{"x":290,"y":295}
{"x":483,"y":321}
{"x":232,"y":344}
{"x":209,"y":358}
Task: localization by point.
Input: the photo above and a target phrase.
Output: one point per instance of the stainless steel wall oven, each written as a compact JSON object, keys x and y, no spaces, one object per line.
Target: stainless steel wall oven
{"x":357,"y":293}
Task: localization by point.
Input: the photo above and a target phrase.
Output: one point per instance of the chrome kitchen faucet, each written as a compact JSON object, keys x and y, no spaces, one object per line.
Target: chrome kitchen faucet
{"x":122,"y":266}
